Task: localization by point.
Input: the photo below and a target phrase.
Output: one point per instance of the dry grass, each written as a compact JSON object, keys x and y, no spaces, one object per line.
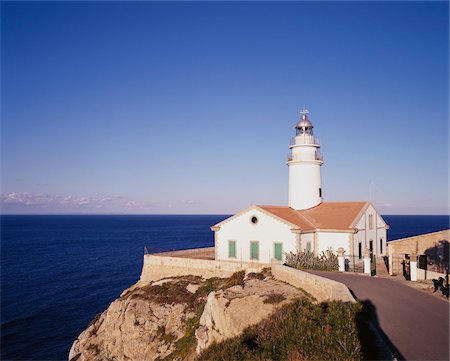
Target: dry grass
{"x":300,"y":331}
{"x":236,"y":279}
{"x":274,"y":298}
{"x":172,"y":292}
{"x":257,"y":276}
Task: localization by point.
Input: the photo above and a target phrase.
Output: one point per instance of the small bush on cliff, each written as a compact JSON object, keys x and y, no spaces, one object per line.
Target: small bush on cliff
{"x":185,"y":346}
{"x":327,"y":261}
{"x":301,"y":331}
{"x":236,"y":279}
{"x":274,"y":298}
{"x":215,"y":283}
{"x":168,"y":293}
{"x":257,"y":276}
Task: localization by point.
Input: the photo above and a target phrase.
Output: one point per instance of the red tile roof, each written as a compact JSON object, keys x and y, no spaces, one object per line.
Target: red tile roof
{"x":290,"y":215}
{"x":327,"y":215}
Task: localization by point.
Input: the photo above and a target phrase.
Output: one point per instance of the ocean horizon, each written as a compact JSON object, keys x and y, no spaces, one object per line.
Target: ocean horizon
{"x":59,"y":271}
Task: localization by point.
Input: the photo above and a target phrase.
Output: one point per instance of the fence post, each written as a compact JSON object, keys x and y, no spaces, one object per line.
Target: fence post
{"x":413,"y":267}
{"x":341,"y":259}
{"x":391,"y":264}
{"x":366,"y":261}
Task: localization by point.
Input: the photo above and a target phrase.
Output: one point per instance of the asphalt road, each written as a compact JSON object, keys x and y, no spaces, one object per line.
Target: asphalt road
{"x":416,"y":324}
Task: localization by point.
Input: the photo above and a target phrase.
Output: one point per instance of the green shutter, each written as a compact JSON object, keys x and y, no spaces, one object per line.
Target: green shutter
{"x":278,"y":251}
{"x":231,"y":249}
{"x":254,"y":250}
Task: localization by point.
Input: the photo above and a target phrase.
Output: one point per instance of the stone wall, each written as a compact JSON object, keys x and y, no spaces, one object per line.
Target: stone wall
{"x":319,"y":287}
{"x":156,"y":267}
{"x":428,"y":275}
{"x":417,"y":244}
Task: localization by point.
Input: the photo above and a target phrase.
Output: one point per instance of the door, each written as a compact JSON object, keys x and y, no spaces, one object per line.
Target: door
{"x":254,"y":250}
{"x":371,"y":247}
{"x":278,"y":251}
{"x":231,"y":249}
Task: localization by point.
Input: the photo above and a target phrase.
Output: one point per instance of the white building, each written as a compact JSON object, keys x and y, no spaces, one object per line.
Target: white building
{"x":263,"y":233}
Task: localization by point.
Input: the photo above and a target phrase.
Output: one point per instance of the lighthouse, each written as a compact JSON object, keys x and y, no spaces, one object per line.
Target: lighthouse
{"x":266,"y":233}
{"x":304,"y":162}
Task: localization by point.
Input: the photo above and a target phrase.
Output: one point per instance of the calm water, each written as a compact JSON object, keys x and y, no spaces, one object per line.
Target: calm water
{"x":57,"y":272}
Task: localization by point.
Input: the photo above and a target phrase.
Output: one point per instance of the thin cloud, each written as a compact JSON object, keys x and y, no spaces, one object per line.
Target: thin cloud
{"x":191,"y":201}
{"x":27,"y":202}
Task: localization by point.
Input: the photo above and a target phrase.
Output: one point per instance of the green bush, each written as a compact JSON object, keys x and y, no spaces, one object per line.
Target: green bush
{"x":327,"y":261}
{"x":301,"y":330}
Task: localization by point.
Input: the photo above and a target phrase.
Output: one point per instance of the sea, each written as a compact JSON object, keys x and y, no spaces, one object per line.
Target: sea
{"x":58,"y":272}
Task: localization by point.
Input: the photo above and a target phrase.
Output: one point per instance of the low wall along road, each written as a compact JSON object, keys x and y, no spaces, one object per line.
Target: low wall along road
{"x":321,"y":288}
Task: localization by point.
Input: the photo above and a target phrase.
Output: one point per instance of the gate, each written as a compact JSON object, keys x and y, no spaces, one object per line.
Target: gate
{"x":354,"y":264}
{"x":406,"y":267}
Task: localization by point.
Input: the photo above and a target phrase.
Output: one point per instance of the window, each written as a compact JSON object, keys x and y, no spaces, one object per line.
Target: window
{"x":359,"y":250}
{"x":254,"y":219}
{"x":370,"y":221}
{"x":278,"y":251}
{"x":320,"y":192}
{"x":308,"y":246}
{"x":231,"y":249}
{"x":381,"y":245}
{"x":254,"y":250}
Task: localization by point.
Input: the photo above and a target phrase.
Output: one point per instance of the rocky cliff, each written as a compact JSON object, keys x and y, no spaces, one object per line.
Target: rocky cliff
{"x":177,"y":318}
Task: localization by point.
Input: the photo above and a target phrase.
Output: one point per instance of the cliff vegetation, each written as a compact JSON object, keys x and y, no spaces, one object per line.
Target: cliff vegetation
{"x":243,"y":317}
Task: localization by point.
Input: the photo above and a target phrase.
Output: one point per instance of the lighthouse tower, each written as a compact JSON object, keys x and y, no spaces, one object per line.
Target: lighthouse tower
{"x":304,"y":162}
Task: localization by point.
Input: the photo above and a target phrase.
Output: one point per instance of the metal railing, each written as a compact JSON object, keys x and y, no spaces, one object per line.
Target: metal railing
{"x":304,"y":139}
{"x":354,"y":264}
{"x":318,"y":156}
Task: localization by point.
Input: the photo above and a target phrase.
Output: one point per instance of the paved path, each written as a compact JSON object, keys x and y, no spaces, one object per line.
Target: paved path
{"x":415,"y":323}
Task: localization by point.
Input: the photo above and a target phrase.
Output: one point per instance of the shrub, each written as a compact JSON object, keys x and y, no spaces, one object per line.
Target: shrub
{"x":266,"y":272}
{"x":327,"y":261}
{"x":253,"y":275}
{"x":165,"y":337}
{"x":237,"y":278}
{"x":274,"y":298}
{"x":301,"y":330}
{"x":171,"y":292}
{"x":185,"y":346}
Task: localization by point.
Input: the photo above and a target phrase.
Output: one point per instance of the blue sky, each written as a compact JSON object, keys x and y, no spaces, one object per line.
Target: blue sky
{"x":180,"y":107}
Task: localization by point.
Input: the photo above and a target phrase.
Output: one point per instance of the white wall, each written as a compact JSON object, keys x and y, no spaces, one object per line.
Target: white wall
{"x":304,"y":184}
{"x":267,"y":231}
{"x":378,"y":234}
{"x":332,"y":240}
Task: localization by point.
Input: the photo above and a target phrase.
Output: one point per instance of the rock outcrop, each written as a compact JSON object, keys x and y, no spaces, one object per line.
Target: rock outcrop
{"x":177,"y":318}
{"x":228,"y":312}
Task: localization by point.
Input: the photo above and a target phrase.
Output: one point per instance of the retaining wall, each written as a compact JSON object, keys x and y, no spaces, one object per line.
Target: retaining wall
{"x":319,"y":287}
{"x":428,"y":275}
{"x":157,"y":267}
